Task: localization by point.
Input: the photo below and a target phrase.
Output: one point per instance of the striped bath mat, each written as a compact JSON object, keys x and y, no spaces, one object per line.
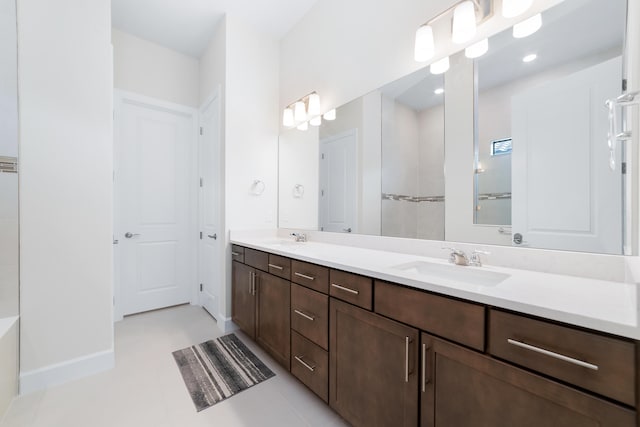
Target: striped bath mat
{"x":218,"y":369}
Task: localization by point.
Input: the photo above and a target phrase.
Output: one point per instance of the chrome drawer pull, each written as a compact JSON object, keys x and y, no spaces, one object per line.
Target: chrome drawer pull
{"x":424,"y":368}
{"x":552,"y":354}
{"x":406,"y":360}
{"x":305,"y":364}
{"x":235,"y":253}
{"x":342,"y":288}
{"x":277,"y":267}
{"x":304,"y":276}
{"x":306,"y":316}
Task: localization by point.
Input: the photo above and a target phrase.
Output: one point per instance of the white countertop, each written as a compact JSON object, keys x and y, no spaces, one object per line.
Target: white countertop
{"x":610,"y":307}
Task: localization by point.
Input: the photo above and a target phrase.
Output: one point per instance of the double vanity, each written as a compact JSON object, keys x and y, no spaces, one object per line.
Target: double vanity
{"x":387,"y":338}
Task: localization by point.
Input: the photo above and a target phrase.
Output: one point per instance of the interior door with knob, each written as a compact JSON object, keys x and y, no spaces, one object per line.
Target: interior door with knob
{"x":338,"y":172}
{"x":208,"y":248}
{"x":155,"y":228}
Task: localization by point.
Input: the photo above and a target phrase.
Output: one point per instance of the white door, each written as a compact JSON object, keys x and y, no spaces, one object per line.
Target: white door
{"x":564,"y":194}
{"x":156,"y":233}
{"x":338,"y":183}
{"x":208,"y":248}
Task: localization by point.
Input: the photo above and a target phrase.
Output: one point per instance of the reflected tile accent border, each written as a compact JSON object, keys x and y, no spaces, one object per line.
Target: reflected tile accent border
{"x":217,"y":369}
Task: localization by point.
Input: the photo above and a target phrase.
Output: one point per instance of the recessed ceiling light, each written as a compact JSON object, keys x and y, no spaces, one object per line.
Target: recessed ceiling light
{"x":529,"y":58}
{"x":439,"y":91}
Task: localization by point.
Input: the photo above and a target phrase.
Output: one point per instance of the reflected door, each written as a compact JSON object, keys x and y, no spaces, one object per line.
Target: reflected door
{"x":338,"y":183}
{"x":155,"y":152}
{"x":564,"y":194}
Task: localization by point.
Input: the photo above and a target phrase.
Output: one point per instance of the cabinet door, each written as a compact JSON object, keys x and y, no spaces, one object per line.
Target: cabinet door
{"x":463,"y":388}
{"x":243,"y":299}
{"x":273,"y":325}
{"x":373,"y":368}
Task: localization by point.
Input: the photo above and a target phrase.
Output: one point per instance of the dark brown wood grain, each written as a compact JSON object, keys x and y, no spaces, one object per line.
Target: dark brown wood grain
{"x":306,"y":302}
{"x":615,"y":358}
{"x":455,"y":320}
{"x":466,"y":388}
{"x":361,"y":288}
{"x":319,"y":275}
{"x":317,"y":358}
{"x":280,"y":266}
{"x":367,"y":383}
{"x":257,"y":259}
{"x":273,"y":327}
{"x":242,"y":299}
{"x":237,"y":253}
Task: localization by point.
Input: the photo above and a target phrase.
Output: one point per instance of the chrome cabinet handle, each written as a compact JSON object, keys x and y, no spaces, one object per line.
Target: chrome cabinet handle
{"x":406,"y":360}
{"x":424,"y":368}
{"x":251,"y":279}
{"x":277,"y":267}
{"x":304,"y":276}
{"x":235,"y":253}
{"x":255,"y":282}
{"x":305,"y":364}
{"x":553,"y":354}
{"x":306,"y":316}
{"x":342,"y":288}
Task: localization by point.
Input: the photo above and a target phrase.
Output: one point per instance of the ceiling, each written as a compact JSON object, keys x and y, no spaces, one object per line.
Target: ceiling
{"x":187,"y":26}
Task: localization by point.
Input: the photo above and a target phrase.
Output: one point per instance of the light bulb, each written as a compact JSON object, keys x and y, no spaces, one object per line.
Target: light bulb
{"x":316,"y":121}
{"x":527,"y":27}
{"x":425,"y":48}
{"x":513,"y":8}
{"x":478,"y":49}
{"x":529,"y":58}
{"x":300,"y":113}
{"x":303,"y":126}
{"x":314,"y":104}
{"x":439,"y":91}
{"x":464,"y":22}
{"x":440,"y":66}
{"x":330,"y":115}
{"x":287,"y":118}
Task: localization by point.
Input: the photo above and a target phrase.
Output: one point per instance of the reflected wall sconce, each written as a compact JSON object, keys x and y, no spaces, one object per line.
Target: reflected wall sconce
{"x":304,"y":112}
{"x":466,"y":15}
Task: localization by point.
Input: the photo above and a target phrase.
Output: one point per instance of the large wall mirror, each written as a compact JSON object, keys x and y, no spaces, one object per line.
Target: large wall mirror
{"x":9,"y":287}
{"x":531,"y":170}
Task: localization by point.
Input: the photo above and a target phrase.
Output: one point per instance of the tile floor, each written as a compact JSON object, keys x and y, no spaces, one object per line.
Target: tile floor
{"x":146,"y":389}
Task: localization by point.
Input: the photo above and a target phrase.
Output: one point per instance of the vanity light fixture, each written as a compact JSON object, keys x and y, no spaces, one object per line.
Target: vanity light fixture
{"x":305,"y":109}
{"x":330,"y":115}
{"x":530,"y":57}
{"x":527,"y":27}
{"x":439,"y":91}
{"x":513,"y":8}
{"x":478,"y":49}
{"x":440,"y":66}
{"x":466,"y":15}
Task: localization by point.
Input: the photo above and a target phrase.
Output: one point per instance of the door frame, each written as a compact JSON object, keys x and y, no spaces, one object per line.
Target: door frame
{"x":120,"y":98}
{"x":215,"y":97}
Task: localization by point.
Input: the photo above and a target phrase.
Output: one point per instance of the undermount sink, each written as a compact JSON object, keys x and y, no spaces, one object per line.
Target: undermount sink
{"x":470,"y":275}
{"x":276,"y":243}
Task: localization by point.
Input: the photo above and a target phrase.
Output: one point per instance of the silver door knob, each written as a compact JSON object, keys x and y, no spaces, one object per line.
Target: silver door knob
{"x":129,"y":234}
{"x":213,"y":236}
{"x":347,"y":230}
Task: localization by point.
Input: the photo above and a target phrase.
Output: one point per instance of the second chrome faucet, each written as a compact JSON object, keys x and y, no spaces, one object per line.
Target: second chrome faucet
{"x":459,"y":257}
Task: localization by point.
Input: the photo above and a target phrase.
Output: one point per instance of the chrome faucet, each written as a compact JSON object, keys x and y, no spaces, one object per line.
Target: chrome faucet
{"x":300,"y":237}
{"x":457,"y":257}
{"x":475,"y":259}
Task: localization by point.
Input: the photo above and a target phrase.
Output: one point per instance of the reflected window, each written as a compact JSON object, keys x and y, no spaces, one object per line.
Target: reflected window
{"x":501,"y":147}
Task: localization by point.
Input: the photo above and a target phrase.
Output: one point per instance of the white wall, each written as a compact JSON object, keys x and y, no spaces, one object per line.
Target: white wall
{"x":8,"y":362}
{"x":213,"y":65}
{"x":66,"y":150}
{"x":8,"y":80}
{"x":251,"y":134}
{"x":152,"y":70}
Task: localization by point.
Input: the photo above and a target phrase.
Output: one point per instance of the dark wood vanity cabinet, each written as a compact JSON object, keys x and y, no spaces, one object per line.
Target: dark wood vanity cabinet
{"x":461,"y":387}
{"x":260,"y":305}
{"x":373,"y":376}
{"x":383,"y":354}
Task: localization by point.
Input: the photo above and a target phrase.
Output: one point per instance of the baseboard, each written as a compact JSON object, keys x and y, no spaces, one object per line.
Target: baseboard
{"x":60,"y":373}
{"x":225,"y":324}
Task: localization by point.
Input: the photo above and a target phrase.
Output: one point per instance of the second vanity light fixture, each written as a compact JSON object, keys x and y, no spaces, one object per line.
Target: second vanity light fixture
{"x":304,"y":112}
{"x":467,"y":14}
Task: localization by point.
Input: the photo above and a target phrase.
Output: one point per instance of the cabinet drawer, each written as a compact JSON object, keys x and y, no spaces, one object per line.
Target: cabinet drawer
{"x":455,"y":320}
{"x":257,"y":259}
{"x":237,"y":253}
{"x":280,"y":266}
{"x":310,"y":314}
{"x":310,"y":364}
{"x":598,"y":363}
{"x":351,"y":288}
{"x":310,"y":275}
